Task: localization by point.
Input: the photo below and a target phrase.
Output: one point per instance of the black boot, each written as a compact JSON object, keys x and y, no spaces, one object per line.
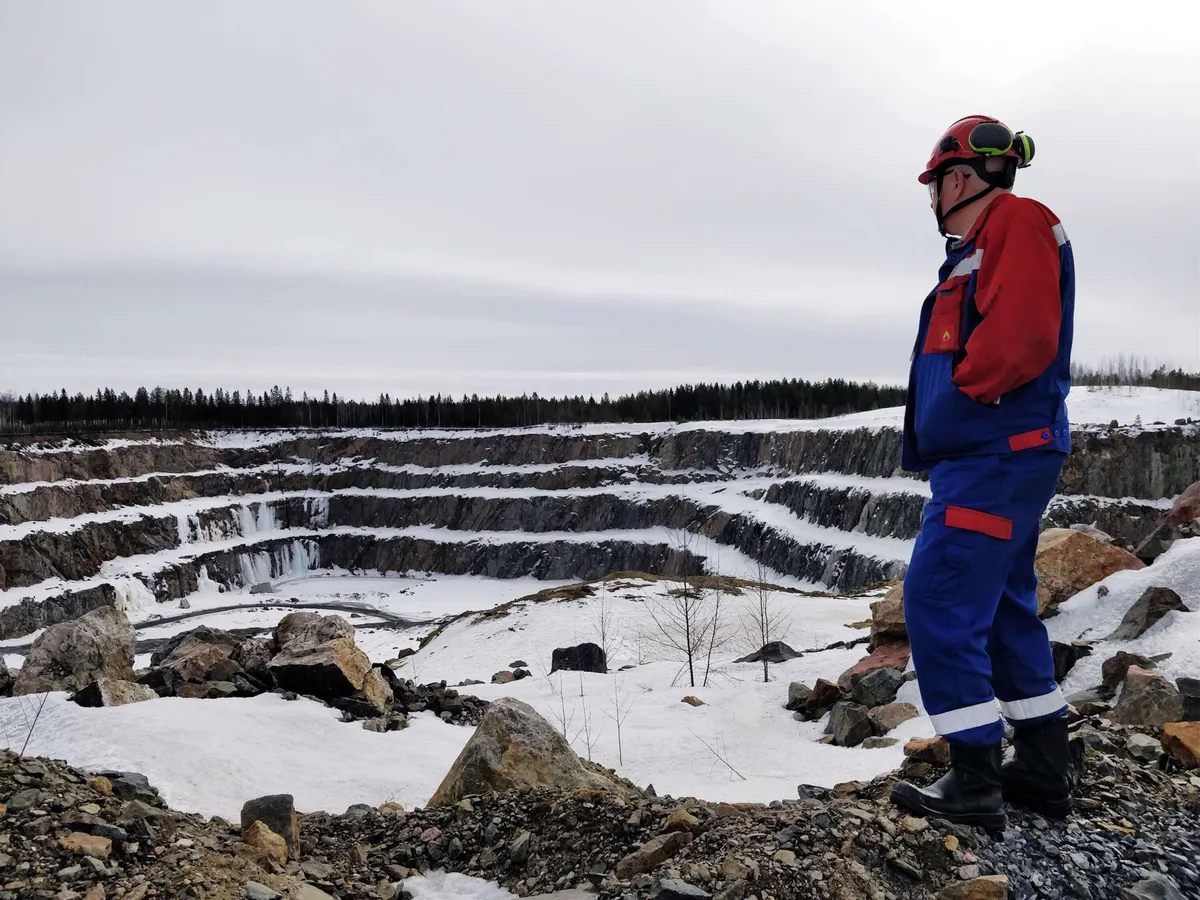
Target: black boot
{"x":1037,"y":774}
{"x":969,"y":793}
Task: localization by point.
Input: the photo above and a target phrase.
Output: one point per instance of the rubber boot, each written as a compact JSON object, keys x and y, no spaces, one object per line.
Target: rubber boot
{"x":1037,"y":774}
{"x":969,"y":793}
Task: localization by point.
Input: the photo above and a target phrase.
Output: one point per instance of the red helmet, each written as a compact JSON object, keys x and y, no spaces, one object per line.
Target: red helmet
{"x":977,"y":137}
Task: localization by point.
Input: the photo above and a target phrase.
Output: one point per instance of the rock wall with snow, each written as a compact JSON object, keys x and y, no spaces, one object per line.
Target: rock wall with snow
{"x":821,"y":503}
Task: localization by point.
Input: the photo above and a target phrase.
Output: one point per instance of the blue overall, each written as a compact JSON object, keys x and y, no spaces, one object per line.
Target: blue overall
{"x":970,"y":591}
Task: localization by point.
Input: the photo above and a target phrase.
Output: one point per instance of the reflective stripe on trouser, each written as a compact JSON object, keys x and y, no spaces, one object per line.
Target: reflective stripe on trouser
{"x":970,"y":599}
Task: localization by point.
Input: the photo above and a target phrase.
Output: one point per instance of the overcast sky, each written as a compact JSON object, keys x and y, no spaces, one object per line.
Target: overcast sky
{"x":562,"y":196}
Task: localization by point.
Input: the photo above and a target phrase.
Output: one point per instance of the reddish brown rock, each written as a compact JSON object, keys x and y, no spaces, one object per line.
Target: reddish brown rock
{"x":885,"y":656}
{"x":887,"y":618}
{"x":929,"y":750}
{"x":1069,"y":561}
{"x":1187,"y":507}
{"x":1182,"y":741}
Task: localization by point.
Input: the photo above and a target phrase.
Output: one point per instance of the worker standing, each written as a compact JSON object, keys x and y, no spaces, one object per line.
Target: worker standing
{"x":986,"y":416}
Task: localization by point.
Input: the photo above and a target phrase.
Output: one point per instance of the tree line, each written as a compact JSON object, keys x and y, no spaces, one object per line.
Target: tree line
{"x":158,"y":408}
{"x":1123,"y":370}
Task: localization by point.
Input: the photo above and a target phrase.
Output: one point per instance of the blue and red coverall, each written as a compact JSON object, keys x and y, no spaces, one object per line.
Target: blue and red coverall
{"x":986,"y":415}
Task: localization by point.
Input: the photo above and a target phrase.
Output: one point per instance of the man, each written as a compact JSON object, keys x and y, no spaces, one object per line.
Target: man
{"x":986,"y":416}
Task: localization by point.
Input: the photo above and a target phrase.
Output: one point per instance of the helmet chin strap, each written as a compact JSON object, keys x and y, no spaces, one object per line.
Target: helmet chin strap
{"x":943,"y":216}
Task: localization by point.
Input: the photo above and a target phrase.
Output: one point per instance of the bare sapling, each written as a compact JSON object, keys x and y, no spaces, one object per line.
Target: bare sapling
{"x":620,"y":711}
{"x":766,"y":620}
{"x":681,"y":616}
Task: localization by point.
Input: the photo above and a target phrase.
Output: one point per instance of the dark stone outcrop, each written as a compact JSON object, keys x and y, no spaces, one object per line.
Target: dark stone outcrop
{"x":586,"y":657}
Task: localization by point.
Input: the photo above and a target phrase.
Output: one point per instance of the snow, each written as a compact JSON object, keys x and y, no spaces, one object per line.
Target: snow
{"x":453,"y":886}
{"x":1087,"y":616}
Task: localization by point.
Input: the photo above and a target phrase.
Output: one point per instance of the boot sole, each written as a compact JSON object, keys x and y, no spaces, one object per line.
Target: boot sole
{"x":1050,"y":807}
{"x":991,"y":821}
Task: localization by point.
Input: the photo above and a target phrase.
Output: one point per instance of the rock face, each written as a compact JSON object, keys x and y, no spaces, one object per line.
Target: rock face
{"x":580,"y":658}
{"x":1069,"y":561}
{"x":516,"y":749}
{"x":318,"y":656}
{"x":71,"y":655}
{"x":1147,"y":699}
{"x":277,"y":812}
{"x":887,"y":618}
{"x":107,"y":692}
{"x":1155,"y":603}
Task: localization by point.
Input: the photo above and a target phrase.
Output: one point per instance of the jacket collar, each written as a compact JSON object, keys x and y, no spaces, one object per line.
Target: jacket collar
{"x":974,"y":230}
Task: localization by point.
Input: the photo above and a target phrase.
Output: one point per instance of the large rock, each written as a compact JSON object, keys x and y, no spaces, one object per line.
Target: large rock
{"x":885,"y":656}
{"x":1070,"y":561}
{"x":107,"y":692}
{"x":774,"y":652}
{"x":985,"y":887}
{"x":254,"y":656}
{"x":376,"y":691}
{"x":266,"y":843}
{"x":1155,"y":603}
{"x":1147,"y":699}
{"x":1182,"y":741}
{"x":202,"y":635}
{"x":516,"y":749}
{"x":318,"y":656}
{"x":887,"y":618}
{"x":278,"y":813}
{"x":1187,"y":507}
{"x":878,"y":688}
{"x":850,"y":724}
{"x":580,"y":658}
{"x":798,"y":694}
{"x":1155,"y":887}
{"x":194,"y":659}
{"x":824,"y":695}
{"x":1113,"y":671}
{"x":310,"y":628}
{"x":885,"y":718}
{"x":71,"y":655}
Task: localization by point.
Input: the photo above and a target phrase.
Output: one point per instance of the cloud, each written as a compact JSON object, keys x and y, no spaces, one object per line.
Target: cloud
{"x":581,"y":196}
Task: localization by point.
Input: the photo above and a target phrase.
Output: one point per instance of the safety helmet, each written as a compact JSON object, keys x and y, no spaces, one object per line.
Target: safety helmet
{"x":977,"y":138}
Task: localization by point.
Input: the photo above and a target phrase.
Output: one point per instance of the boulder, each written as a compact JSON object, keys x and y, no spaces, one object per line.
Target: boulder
{"x":1147,"y":699}
{"x":107,"y":692}
{"x":692,"y":701}
{"x":580,"y":658}
{"x":376,"y":691}
{"x":1112,"y":673}
{"x":194,"y":660}
{"x":1155,"y":887}
{"x":1066,"y":655}
{"x":885,"y":656}
{"x":516,"y":749}
{"x":850,"y":724}
{"x":277,"y":813}
{"x":798,"y":695}
{"x":652,"y":854}
{"x":887,"y":618}
{"x":310,"y":628}
{"x":824,"y":695}
{"x":201,"y":635}
{"x":1155,"y":603}
{"x":774,"y":652}
{"x":875,"y":742}
{"x":317,"y":656}
{"x":71,"y":655}
{"x":878,"y":688}
{"x":1181,"y":740}
{"x":254,"y":656}
{"x":265,"y":842}
{"x":1069,"y":561}
{"x":1187,"y":507}
{"x":131,"y":787}
{"x":885,"y":718}
{"x":263,"y":587}
{"x":504,"y":677}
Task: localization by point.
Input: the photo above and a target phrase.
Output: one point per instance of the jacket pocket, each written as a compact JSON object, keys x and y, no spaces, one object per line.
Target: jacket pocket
{"x":945,"y":321}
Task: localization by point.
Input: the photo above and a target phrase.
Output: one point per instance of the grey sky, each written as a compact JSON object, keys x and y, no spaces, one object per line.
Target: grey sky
{"x":562,"y":197}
